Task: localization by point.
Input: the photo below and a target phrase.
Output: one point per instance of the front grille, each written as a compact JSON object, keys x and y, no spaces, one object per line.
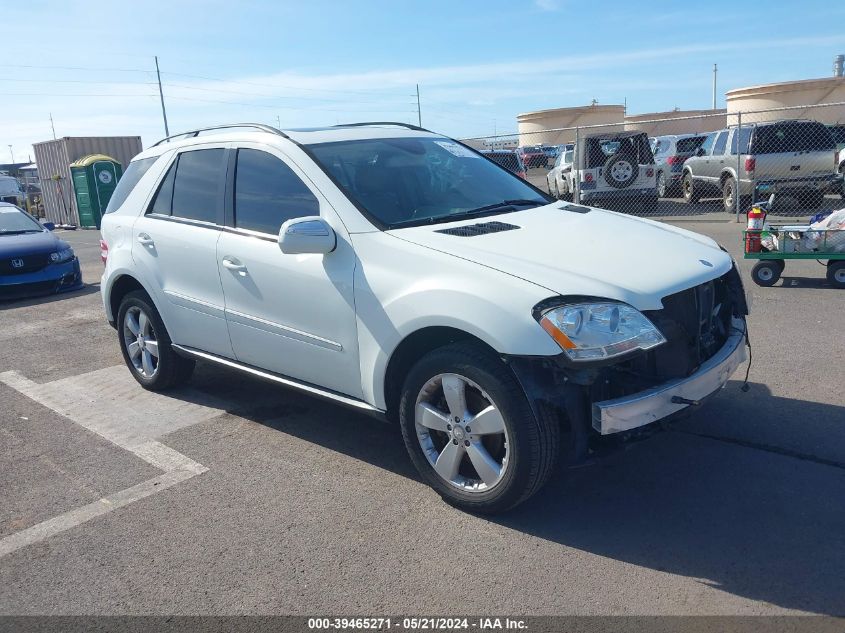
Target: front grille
{"x":24,"y":264}
{"x":696,"y":323}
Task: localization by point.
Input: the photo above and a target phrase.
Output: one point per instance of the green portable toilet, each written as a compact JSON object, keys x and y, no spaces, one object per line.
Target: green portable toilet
{"x":94,"y":179}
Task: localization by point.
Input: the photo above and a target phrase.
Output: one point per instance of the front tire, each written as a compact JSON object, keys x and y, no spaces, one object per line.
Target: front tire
{"x":471,"y":432}
{"x":146,"y":345}
{"x":691,"y":194}
{"x":662,"y":187}
{"x":767,"y":272}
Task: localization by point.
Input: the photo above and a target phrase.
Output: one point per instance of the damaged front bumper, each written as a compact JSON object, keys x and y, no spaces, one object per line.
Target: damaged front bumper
{"x":642,"y":408}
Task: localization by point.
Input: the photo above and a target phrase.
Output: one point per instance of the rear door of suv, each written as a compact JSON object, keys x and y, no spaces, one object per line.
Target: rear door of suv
{"x":175,"y":247}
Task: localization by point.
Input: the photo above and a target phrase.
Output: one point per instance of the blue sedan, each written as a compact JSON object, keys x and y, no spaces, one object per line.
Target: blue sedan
{"x":33,"y":261}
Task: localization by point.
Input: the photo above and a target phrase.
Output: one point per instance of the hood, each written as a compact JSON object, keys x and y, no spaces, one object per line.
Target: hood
{"x":29,"y":244}
{"x":599,"y":253}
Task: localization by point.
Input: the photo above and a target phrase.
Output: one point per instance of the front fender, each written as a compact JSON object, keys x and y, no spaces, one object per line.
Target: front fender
{"x":444,"y":291}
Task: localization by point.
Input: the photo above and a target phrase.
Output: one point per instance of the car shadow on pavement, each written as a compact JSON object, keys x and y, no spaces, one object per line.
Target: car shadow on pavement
{"x":749,"y":520}
{"x":27,"y":302}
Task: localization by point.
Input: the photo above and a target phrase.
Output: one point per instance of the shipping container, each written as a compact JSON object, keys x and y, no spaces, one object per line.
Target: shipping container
{"x":54,"y":158}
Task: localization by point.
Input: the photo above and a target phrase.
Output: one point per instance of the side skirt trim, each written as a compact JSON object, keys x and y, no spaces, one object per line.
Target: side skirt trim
{"x":352,"y":403}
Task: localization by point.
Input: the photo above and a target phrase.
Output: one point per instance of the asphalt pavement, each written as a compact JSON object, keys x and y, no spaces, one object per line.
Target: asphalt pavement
{"x":232,"y":496}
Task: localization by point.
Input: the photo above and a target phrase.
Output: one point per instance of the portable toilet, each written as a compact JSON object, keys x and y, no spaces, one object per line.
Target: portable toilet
{"x":94,"y":178}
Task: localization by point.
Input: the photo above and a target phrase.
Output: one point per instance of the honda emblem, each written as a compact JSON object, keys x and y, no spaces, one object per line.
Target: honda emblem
{"x":17,"y":263}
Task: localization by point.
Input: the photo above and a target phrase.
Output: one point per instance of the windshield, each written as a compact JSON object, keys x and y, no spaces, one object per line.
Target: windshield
{"x":420,"y":180}
{"x":13,"y":220}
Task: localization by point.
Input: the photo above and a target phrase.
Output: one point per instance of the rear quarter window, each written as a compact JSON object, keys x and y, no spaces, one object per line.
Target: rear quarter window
{"x":133,"y":174}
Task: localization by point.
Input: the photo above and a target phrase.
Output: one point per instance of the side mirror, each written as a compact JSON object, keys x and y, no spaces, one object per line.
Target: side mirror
{"x":307,"y":235}
{"x":699,"y":151}
{"x":49,"y":226}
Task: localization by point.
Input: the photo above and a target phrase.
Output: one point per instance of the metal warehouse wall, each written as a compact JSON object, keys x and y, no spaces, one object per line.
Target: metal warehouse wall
{"x":54,"y":157}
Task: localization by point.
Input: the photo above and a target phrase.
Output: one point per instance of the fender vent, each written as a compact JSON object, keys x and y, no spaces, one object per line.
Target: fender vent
{"x":479,"y":229}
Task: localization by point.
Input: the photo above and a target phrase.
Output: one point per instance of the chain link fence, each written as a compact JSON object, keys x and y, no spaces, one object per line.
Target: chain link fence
{"x":706,"y":166}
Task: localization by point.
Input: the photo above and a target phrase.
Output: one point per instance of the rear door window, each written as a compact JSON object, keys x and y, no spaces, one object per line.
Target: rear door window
{"x":744,"y":135}
{"x":268,"y":192}
{"x":197,"y":186}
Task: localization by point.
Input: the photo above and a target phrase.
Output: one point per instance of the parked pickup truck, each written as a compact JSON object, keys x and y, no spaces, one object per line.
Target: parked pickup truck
{"x":402,"y":274}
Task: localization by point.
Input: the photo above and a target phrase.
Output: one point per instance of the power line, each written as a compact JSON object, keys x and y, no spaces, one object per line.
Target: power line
{"x":274,"y":85}
{"x":257,"y":94}
{"x":288,"y":107}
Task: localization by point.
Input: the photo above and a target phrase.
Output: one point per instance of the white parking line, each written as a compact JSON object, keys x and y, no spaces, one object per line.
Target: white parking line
{"x":110,"y":403}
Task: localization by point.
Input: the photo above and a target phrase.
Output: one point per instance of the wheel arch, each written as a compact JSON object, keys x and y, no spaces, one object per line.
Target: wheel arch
{"x":122,"y":285}
{"x":413,"y":347}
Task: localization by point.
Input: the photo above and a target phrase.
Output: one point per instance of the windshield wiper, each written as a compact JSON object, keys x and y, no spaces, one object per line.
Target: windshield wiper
{"x":504,"y":204}
{"x":20,"y":232}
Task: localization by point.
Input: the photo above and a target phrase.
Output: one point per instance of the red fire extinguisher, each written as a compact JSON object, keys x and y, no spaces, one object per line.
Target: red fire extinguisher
{"x":756,"y":217}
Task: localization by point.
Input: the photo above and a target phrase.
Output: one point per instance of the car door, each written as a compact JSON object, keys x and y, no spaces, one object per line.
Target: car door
{"x":290,"y":314}
{"x":174,"y":247}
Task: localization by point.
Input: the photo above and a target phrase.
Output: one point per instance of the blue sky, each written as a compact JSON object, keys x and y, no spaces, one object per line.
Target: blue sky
{"x":478,"y":63}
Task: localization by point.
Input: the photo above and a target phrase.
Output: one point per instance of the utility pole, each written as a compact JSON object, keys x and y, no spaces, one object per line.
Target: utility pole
{"x":419,"y":112}
{"x":12,"y":154}
{"x":161,"y":95}
{"x":278,"y":122}
{"x":715,"y":72}
{"x":52,"y":126}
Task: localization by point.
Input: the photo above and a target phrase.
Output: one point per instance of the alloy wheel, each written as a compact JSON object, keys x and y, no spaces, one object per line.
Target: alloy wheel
{"x":141,"y":342}
{"x":462,"y":433}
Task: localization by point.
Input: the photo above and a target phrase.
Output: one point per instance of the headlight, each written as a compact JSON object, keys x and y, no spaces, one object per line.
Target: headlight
{"x":64,"y":255}
{"x":599,"y":331}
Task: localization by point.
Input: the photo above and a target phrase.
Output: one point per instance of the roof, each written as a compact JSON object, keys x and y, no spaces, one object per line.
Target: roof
{"x":85,"y":161}
{"x":628,"y":134}
{"x":300,"y":136}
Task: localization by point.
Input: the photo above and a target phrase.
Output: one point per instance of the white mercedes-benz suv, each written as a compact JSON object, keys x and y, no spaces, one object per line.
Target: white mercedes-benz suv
{"x":401,"y":273}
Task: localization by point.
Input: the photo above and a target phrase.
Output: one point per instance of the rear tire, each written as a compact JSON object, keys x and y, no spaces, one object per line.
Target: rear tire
{"x":767,"y":272}
{"x":836,"y":273}
{"x":662,"y":187}
{"x":146,"y":345}
{"x":515,"y":450}
{"x":691,"y":194}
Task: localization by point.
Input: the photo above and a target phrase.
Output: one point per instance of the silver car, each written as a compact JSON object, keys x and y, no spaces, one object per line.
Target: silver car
{"x":793,"y":158}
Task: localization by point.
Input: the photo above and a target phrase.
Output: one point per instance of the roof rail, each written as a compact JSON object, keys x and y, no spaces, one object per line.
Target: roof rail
{"x":396,"y":123}
{"x":195,"y":133}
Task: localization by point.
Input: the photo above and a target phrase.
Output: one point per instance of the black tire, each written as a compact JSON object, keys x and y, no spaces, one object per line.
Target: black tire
{"x":836,"y":273}
{"x":533,"y":443}
{"x":691,"y":193}
{"x":628,"y":165}
{"x":729,"y":195}
{"x":767,"y":272}
{"x":171,"y":369}
{"x":662,"y":187}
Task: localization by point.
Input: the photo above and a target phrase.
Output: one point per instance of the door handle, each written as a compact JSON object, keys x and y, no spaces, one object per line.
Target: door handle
{"x":234,"y":264}
{"x":145,"y":239}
